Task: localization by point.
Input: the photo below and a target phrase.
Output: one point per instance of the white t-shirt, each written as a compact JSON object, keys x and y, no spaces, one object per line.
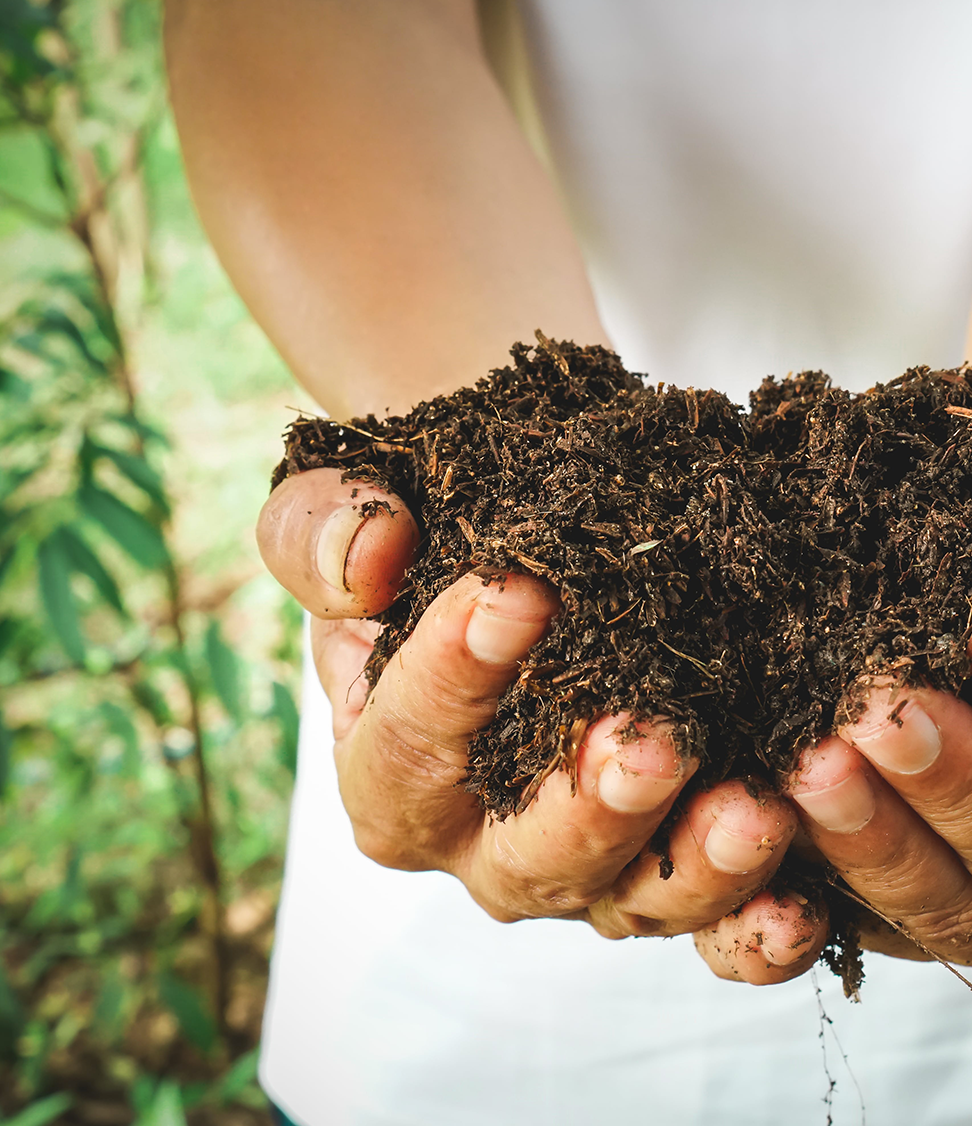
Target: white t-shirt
{"x":759,"y":186}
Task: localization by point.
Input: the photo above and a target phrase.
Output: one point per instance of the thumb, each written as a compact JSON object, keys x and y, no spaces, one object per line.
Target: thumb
{"x":340,"y":548}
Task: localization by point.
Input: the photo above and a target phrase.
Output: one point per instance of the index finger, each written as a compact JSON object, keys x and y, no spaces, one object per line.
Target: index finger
{"x":340,"y":548}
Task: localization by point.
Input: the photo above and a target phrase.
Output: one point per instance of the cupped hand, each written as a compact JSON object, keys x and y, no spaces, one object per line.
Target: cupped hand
{"x":888,"y":801}
{"x":341,"y":549}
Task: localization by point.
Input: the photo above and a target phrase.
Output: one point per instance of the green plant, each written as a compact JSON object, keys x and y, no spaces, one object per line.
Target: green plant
{"x":129,"y":837}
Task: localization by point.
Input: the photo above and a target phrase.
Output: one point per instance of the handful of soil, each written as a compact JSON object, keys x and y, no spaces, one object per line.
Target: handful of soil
{"x":738,"y":572}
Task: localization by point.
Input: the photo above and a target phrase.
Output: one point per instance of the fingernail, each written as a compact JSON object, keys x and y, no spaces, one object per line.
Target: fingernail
{"x":334,"y":542}
{"x":643,"y":773}
{"x":845,"y":807}
{"x":904,"y":741}
{"x":788,"y":911}
{"x":731,"y":852}
{"x":497,"y":640}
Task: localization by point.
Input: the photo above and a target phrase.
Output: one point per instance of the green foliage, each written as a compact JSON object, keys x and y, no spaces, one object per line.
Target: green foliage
{"x":148,"y":732}
{"x":224,"y":668}
{"x":40,"y":1112}
{"x":190,"y":1010}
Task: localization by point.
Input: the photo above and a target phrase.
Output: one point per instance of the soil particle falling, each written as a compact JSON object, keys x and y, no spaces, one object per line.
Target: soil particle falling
{"x":738,"y":572}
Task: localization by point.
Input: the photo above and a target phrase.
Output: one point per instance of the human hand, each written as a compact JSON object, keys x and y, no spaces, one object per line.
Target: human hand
{"x":401,"y":756}
{"x":888,"y":802}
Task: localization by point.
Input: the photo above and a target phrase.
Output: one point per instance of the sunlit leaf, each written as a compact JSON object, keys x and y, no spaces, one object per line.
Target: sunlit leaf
{"x":224,"y":669}
{"x":80,"y":286}
{"x":41,"y":1112}
{"x":288,"y":717}
{"x":84,"y":560}
{"x":12,"y":479}
{"x":119,"y":722}
{"x":128,"y":528}
{"x":54,"y":573}
{"x":57,"y":323}
{"x":137,"y":470}
{"x":165,"y":1108}
{"x":189,"y":1009}
{"x":141,"y":428}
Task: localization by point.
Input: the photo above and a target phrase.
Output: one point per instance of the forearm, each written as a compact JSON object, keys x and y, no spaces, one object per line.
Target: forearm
{"x":369,"y":192}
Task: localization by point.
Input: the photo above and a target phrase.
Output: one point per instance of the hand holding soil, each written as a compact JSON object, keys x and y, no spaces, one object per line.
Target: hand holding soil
{"x":402,"y":754}
{"x":736,"y":574}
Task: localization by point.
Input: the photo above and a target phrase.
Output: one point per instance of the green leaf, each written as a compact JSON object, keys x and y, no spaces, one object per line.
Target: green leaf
{"x":138,"y":471}
{"x":119,"y":722}
{"x":41,"y":1112}
{"x":56,"y":323}
{"x":8,"y":631}
{"x":6,"y":748}
{"x":152,"y":700}
{"x":142,"y":429}
{"x":224,"y":668}
{"x":12,"y":479}
{"x":6,"y":558}
{"x":84,"y":560}
{"x":55,"y":586}
{"x":165,"y":1107}
{"x":12,"y":1016}
{"x":107,"y":1013}
{"x":128,"y":528}
{"x":189,"y":1009}
{"x":238,"y":1078}
{"x":288,"y":717}
{"x":80,"y":286}
{"x":20,"y":25}
{"x":72,"y":891}
{"x":11,"y":384}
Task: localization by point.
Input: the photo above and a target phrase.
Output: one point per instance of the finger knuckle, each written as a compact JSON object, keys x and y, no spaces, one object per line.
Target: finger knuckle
{"x":524,"y":890}
{"x":455,"y":699}
{"x":384,"y":849}
{"x":411,"y":754}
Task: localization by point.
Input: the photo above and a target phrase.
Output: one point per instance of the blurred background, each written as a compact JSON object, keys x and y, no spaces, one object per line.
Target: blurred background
{"x":148,"y":667}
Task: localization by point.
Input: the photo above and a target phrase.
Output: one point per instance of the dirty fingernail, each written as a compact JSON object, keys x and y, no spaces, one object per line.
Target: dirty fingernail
{"x":643,"y":773}
{"x":334,"y":542}
{"x":904,"y":741}
{"x":845,"y":807}
{"x":731,"y":852}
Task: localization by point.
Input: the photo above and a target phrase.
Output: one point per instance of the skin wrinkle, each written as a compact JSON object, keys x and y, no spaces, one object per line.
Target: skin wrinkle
{"x":949,"y":934}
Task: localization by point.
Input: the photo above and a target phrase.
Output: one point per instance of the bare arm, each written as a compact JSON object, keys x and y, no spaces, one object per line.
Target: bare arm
{"x":370,"y":194}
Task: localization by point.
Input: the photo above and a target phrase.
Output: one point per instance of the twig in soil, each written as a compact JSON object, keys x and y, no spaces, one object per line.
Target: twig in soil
{"x":704,"y":669}
{"x":624,"y":613}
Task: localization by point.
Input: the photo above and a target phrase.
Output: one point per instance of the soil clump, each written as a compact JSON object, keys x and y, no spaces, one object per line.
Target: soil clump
{"x":738,"y":572}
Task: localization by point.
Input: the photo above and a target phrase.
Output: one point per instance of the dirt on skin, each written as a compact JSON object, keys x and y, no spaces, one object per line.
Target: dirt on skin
{"x":737,"y":572}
